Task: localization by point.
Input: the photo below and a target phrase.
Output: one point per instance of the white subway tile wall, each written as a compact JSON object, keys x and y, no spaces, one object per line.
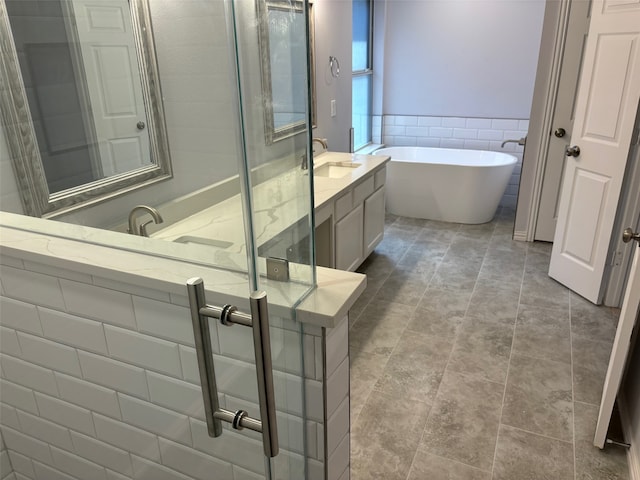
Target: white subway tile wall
{"x":102,"y":384}
{"x":456,"y":132}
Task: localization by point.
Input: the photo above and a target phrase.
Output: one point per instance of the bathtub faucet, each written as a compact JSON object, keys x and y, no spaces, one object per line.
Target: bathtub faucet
{"x":142,"y":229}
{"x":520,"y":142}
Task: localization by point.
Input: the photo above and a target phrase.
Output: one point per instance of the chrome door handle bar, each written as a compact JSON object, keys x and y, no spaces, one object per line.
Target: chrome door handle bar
{"x":259,"y":323}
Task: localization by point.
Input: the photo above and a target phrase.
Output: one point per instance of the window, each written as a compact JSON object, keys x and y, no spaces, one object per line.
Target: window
{"x":362,"y":73}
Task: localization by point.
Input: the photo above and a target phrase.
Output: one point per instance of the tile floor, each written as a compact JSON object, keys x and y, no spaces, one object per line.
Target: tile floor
{"x":469,"y":363}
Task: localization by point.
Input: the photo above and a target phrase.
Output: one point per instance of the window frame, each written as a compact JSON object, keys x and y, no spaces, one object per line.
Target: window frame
{"x":368,"y":71}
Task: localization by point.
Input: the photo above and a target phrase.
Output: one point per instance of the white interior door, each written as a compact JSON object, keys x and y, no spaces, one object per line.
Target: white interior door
{"x":563,"y":116}
{"x":620,"y":350}
{"x":113,"y":82}
{"x":605,"y":112}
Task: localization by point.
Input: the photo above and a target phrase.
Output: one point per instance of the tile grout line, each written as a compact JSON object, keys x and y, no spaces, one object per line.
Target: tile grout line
{"x":573,"y":394}
{"x":506,"y":380}
{"x":536,"y":434}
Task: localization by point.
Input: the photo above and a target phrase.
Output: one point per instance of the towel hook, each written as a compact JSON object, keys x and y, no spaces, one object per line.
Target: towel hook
{"x":334,"y":66}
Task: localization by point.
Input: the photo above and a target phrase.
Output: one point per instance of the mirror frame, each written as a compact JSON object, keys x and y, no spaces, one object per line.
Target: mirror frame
{"x":22,"y":143}
{"x":262,"y":6}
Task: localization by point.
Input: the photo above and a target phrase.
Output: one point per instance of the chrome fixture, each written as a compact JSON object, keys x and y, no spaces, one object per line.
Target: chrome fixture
{"x":258,"y":321}
{"x":334,"y":66}
{"x":520,"y":142}
{"x":560,"y":132}
{"x":142,"y":229}
{"x":629,"y":235}
{"x":321,"y":141}
{"x":573,"y":151}
{"x":304,"y":162}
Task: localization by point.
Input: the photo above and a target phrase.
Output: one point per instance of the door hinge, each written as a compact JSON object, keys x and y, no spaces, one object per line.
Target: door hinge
{"x":616,"y":258}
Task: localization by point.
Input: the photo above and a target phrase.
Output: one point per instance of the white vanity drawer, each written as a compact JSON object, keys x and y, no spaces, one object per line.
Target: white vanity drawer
{"x":363,"y":190}
{"x":344,"y":205}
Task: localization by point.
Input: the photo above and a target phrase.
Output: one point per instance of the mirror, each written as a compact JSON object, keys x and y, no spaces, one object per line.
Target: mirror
{"x":283,"y":53}
{"x":82,"y":113}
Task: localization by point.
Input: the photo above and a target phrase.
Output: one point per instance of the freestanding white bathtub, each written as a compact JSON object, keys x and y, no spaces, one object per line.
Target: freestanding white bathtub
{"x":450,"y":185}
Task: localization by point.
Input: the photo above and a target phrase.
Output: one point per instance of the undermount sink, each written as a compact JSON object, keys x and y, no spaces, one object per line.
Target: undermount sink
{"x":203,"y":241}
{"x":335,"y":169}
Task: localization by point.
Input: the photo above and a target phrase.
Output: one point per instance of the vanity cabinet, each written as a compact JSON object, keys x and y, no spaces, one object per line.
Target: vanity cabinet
{"x":349,"y":254}
{"x":373,"y":221}
{"x":359,"y":225}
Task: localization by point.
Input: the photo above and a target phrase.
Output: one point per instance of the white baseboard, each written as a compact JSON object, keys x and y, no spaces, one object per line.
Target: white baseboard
{"x":633,"y":455}
{"x":520,"y":236}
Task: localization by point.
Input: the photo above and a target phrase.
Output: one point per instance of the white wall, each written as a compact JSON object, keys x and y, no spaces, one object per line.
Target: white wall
{"x":333,"y":22}
{"x":466,"y":58}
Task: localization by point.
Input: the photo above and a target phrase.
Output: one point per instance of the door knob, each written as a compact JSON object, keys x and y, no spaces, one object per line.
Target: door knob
{"x":629,"y":235}
{"x":140,"y":125}
{"x":560,"y":132}
{"x":573,"y":151}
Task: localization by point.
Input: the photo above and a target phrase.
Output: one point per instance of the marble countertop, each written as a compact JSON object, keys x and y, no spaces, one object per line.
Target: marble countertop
{"x":278,"y":204}
{"x":71,"y":247}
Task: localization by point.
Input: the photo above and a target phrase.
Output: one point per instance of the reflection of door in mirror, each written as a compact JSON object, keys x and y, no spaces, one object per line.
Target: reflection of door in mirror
{"x":104,"y":33}
{"x":86,"y":103}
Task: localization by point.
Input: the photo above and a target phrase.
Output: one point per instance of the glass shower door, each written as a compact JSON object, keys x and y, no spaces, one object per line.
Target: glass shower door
{"x":235,"y":98}
{"x":267,"y":402}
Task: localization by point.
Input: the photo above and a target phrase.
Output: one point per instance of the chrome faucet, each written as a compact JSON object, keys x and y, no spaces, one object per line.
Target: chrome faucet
{"x":142,"y":229}
{"x":321,"y":142}
{"x":520,"y":142}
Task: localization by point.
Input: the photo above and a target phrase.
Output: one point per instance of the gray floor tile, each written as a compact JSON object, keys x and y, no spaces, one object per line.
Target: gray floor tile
{"x":538,"y":397}
{"x":451,"y":276}
{"x":457,"y":291}
{"x":403,"y":287}
{"x":366,"y":369}
{"x":540,"y":289}
{"x":390,"y":218}
{"x":435,"y":231}
{"x":423,"y":257}
{"x":415,"y":367}
{"x":377,"y":266}
{"x":590,"y":361}
{"x":591,"y":462}
{"x":592,"y":321}
{"x":526,"y":456}
{"x":440,"y":312}
{"x":363,"y":300}
{"x":482,"y":349}
{"x":543,"y":333}
{"x":469,"y":249}
{"x":463,"y":424}
{"x":537,"y":261}
{"x":493,"y":302}
{"x":379,"y":327}
{"x":413,"y":222}
{"x":431,"y":467}
{"x":383,"y":445}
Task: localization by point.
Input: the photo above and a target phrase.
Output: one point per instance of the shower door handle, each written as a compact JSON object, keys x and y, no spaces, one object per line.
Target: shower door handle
{"x":258,"y":321}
